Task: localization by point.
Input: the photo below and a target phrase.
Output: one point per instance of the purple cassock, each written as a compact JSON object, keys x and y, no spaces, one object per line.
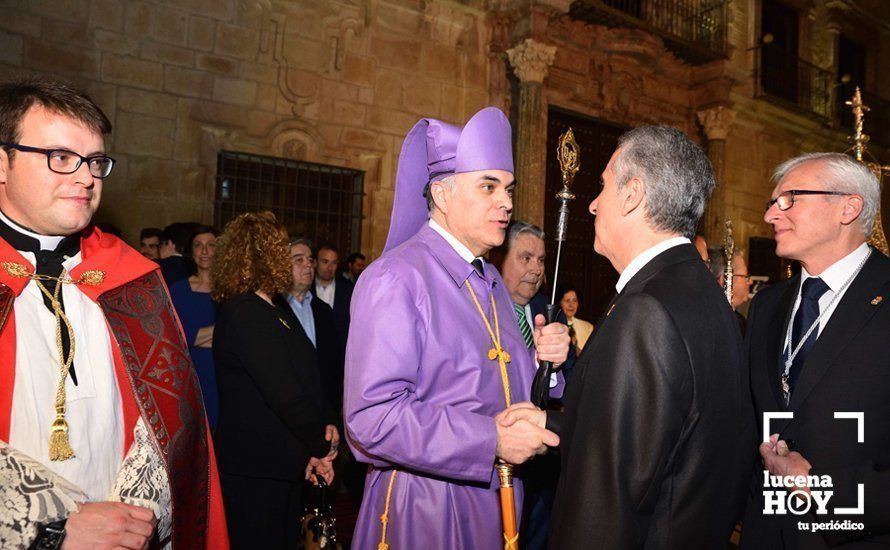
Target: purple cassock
{"x":420,"y":390}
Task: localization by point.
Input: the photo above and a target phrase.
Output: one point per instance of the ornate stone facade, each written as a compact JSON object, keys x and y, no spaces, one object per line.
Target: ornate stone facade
{"x":531,"y":60}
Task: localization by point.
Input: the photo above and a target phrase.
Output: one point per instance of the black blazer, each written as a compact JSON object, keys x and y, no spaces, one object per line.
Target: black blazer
{"x":342,"y":299}
{"x":329,"y":351}
{"x":331,"y":355}
{"x":272,"y":412}
{"x":655,"y":418}
{"x":848,"y":369}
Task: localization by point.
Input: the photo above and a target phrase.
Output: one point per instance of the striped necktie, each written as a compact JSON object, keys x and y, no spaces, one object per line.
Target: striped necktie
{"x":523,"y":325}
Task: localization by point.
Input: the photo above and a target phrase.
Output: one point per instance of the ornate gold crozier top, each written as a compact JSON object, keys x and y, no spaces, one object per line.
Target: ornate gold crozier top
{"x":569,"y":162}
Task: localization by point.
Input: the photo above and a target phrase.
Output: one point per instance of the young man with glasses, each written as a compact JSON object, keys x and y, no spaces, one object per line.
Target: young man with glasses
{"x":816,"y":348}
{"x":96,"y":449}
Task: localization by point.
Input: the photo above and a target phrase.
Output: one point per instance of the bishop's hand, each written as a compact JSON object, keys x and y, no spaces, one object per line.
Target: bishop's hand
{"x":519,"y":439}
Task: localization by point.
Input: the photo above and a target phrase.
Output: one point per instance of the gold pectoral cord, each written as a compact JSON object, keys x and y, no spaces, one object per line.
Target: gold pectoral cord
{"x":497,"y":352}
{"x":59,"y":444}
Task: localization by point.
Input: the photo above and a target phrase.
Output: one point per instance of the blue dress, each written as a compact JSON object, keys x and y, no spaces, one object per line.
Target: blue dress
{"x":198,"y":310}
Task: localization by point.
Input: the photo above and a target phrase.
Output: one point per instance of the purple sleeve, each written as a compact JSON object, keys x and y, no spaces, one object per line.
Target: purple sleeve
{"x":387,"y":422}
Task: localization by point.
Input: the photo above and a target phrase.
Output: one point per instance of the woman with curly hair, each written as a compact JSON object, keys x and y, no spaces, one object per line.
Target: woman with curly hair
{"x":273,"y":421}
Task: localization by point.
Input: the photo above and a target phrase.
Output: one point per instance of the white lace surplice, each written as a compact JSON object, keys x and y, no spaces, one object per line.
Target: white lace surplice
{"x":31,"y":494}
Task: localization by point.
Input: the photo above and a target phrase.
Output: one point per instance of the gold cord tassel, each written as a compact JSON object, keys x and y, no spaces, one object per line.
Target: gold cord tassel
{"x":59,"y":446}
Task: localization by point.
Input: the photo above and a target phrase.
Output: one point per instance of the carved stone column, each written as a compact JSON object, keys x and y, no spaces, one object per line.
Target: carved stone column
{"x":716,"y":123}
{"x":531,"y":60}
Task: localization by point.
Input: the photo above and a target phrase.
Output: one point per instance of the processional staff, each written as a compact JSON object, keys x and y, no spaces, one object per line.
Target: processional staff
{"x":728,"y":251}
{"x":569,"y":156}
{"x":860,"y":149}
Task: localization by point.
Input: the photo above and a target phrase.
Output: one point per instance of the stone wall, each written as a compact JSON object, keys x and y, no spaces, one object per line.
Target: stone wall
{"x":336,"y":82}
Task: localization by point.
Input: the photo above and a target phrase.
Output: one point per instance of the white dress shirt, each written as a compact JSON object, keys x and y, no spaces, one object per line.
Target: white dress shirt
{"x":458,"y":246}
{"x":326,"y":293}
{"x":835,"y":277}
{"x":644,"y":258}
{"x":303,"y":311}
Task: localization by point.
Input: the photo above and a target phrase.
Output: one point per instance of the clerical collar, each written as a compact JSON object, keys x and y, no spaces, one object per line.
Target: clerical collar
{"x":27,"y":241}
{"x":644,"y":258}
{"x":458,"y":246}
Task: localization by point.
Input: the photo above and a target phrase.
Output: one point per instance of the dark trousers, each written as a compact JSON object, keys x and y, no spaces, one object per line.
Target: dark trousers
{"x":262,"y":513}
{"x":540,"y":480}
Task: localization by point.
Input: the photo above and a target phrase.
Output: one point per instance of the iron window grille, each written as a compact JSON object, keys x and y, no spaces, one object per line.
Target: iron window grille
{"x":316,"y":200}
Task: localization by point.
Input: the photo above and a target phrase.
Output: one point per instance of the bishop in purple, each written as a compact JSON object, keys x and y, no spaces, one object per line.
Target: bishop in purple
{"x":423,"y":382}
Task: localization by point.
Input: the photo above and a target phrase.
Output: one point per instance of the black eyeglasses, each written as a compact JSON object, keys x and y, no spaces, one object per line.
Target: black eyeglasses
{"x":62,"y":161}
{"x":786,"y":199}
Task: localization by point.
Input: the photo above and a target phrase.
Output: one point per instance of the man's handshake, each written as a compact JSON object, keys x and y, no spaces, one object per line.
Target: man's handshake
{"x":521,"y":433}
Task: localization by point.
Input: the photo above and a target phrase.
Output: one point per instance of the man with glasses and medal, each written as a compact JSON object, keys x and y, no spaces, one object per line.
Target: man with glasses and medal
{"x":103,"y":435}
{"x":435,"y":352}
{"x":815,"y":346}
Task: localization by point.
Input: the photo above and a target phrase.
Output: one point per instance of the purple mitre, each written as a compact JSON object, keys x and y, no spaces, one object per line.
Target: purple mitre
{"x":433,"y":150}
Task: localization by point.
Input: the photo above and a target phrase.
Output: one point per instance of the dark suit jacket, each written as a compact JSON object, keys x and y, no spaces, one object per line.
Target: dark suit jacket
{"x":329,"y":351}
{"x":342,"y":299}
{"x":848,"y":369}
{"x":272,"y":412}
{"x":655,"y":418}
{"x":538,"y":305}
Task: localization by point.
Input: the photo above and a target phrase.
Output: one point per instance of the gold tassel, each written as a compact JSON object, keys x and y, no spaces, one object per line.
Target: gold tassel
{"x":59,"y":446}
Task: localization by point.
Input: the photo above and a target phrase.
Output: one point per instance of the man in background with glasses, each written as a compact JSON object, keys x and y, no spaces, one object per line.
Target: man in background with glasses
{"x":96,"y":449}
{"x":817,"y":346}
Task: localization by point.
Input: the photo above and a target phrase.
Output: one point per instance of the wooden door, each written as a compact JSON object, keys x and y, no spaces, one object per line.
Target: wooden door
{"x":581,"y":267}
